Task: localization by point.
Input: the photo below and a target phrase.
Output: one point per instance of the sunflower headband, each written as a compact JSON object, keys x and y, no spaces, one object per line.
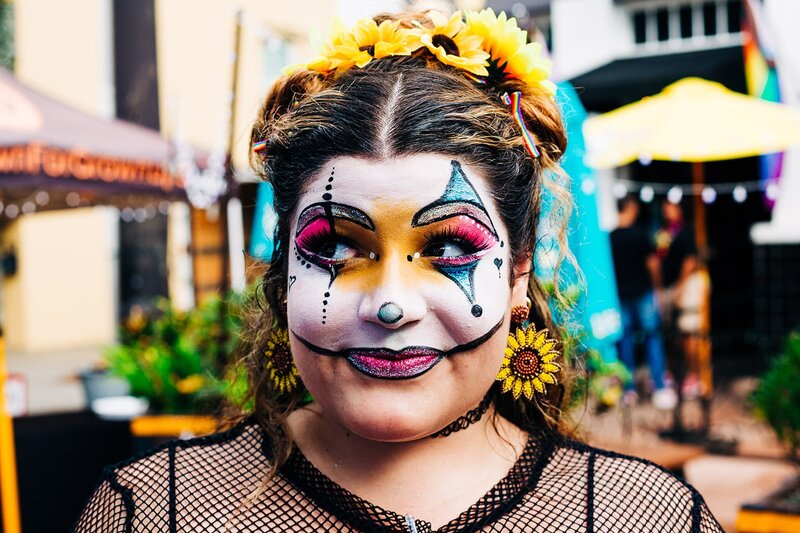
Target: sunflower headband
{"x":484,"y":45}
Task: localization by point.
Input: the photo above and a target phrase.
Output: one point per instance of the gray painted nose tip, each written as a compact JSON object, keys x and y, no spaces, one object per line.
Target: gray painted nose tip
{"x":390,"y":313}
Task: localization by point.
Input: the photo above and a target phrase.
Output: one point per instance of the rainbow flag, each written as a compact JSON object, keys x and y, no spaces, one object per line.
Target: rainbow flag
{"x":762,"y":77}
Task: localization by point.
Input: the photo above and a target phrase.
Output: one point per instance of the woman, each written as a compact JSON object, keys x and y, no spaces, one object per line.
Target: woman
{"x":408,"y":171}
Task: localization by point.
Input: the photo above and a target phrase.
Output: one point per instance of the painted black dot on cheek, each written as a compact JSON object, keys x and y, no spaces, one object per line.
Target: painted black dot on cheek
{"x":328,"y":187}
{"x":477,"y":310}
{"x":327,"y":196}
{"x":327,"y":295}
{"x":308,"y":265}
{"x":324,"y":302}
{"x":502,"y":244}
{"x":409,"y":258}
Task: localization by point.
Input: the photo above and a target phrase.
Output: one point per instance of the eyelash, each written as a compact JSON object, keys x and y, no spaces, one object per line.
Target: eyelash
{"x":459,"y":235}
{"x":309,"y":242}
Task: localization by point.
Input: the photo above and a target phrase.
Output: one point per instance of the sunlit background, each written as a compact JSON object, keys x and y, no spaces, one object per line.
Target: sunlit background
{"x":132,"y":229}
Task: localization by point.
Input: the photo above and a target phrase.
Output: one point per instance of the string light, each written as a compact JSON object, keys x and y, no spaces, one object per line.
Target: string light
{"x":709,"y":195}
{"x":647,"y":194}
{"x":739,"y":194}
{"x":28,"y":207}
{"x":42,"y":197}
{"x":674,"y":195}
{"x":73,"y":199}
{"x":12,"y":211}
{"x":772,"y":191}
{"x":126,"y":214}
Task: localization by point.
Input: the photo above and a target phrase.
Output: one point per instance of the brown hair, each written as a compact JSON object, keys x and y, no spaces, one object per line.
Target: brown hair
{"x":397,"y":106}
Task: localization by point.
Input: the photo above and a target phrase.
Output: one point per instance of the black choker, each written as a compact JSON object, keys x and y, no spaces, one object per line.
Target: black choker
{"x":464,"y":421}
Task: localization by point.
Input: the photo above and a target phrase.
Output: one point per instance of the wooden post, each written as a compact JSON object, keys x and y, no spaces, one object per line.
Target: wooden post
{"x":8,"y":462}
{"x":701,"y":237}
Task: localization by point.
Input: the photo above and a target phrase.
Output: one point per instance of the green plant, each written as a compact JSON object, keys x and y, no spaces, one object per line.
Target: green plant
{"x":179,"y":360}
{"x":776,"y":399}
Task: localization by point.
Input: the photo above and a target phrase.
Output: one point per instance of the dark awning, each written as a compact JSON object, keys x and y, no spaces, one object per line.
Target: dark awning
{"x":625,"y":81}
{"x":45,"y":144}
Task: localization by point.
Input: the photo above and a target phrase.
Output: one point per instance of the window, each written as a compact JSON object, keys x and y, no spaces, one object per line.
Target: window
{"x":639,"y":27}
{"x":673,"y":24}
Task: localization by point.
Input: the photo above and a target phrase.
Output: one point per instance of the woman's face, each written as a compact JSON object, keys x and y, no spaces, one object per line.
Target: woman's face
{"x":398,"y":293}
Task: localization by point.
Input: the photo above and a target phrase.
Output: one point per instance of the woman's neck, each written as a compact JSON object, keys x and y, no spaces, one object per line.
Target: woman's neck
{"x":454,"y":471}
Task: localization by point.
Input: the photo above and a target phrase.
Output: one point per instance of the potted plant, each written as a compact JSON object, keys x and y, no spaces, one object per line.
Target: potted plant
{"x":178,"y":361}
{"x":776,"y":400}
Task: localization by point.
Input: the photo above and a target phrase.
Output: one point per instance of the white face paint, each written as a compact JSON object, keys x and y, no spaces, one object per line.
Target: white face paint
{"x":399,"y":293}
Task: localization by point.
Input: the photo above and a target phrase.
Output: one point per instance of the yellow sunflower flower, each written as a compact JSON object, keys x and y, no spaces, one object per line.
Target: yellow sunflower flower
{"x":529,"y":362}
{"x":365,"y":42}
{"x":509,"y":50}
{"x":452,"y":43}
{"x":279,"y":362}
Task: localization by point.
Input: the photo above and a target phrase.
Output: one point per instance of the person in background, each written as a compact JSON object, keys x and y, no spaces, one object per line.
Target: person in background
{"x":679,"y":290}
{"x":637,"y":271}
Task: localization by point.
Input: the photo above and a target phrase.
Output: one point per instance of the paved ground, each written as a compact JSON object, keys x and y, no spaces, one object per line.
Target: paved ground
{"x":725,"y":481}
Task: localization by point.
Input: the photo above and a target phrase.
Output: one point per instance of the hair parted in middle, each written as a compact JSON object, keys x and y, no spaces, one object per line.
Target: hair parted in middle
{"x":395,"y":106}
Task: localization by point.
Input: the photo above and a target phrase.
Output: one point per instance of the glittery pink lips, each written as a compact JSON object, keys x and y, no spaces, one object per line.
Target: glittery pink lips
{"x":387,"y":364}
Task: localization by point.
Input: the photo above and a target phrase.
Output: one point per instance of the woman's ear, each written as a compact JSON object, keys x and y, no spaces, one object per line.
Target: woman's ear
{"x":522,"y":273}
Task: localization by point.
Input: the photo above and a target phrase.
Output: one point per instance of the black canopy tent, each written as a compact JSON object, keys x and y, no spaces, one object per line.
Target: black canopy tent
{"x":47,"y":145}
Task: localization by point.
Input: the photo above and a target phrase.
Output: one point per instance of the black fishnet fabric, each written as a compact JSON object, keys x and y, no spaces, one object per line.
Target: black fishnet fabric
{"x":216,"y":484}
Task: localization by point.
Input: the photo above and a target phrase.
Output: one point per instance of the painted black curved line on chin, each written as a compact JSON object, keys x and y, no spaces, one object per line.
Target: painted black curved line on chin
{"x":471,"y":345}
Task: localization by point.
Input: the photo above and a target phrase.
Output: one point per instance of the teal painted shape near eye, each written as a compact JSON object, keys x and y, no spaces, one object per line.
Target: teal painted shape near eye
{"x":459,"y":189}
{"x":463,"y":276}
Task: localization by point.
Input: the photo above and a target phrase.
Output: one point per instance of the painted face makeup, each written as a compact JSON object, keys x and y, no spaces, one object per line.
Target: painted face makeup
{"x":403,"y":275}
{"x":409,"y":362}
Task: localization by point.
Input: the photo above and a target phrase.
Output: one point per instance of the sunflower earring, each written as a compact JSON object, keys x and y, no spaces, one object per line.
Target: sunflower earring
{"x":529,"y":362}
{"x":279,"y":364}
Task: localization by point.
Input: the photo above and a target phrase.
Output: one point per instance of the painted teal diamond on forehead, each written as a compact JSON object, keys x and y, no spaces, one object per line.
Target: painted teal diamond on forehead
{"x":459,"y":189}
{"x":459,"y":198}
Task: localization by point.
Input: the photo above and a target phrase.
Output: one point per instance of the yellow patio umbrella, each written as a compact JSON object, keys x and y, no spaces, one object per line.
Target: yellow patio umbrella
{"x":692,"y":120}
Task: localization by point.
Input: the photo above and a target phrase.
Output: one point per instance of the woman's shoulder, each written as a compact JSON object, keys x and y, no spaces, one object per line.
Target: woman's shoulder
{"x":623,"y":489}
{"x":147,"y":485}
{"x":242,"y":444}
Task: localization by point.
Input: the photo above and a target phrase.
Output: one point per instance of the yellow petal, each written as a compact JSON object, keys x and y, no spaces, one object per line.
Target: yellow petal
{"x":538,"y":385}
{"x":509,"y":351}
{"x":504,"y":373}
{"x":527,"y":389}
{"x":508,"y":383}
{"x":540,"y":338}
{"x":512,"y":342}
{"x":437,"y":18}
{"x":521,"y":337}
{"x":546,"y":347}
{"x":550,"y":367}
{"x":531,"y":335}
{"x":517,"y":389}
{"x":550,"y":357}
{"x":547,"y":378}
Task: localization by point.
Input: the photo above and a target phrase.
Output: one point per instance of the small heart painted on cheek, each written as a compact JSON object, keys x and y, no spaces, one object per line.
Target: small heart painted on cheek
{"x":292,"y":279}
{"x":498,"y":263}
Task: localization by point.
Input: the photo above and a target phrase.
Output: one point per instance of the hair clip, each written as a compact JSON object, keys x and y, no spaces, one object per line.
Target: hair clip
{"x":259,"y":146}
{"x":474,"y":78}
{"x":512,"y":100}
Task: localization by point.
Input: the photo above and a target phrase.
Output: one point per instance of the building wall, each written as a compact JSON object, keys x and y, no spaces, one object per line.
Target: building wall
{"x":63,"y":49}
{"x":64,"y":292}
{"x":195,"y":45}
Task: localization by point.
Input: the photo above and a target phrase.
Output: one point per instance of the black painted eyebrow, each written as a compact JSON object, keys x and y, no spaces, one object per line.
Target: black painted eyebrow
{"x":333,"y":210}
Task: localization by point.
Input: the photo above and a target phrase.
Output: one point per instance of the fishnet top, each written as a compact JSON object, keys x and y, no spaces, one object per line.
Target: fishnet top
{"x":212,"y":484}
